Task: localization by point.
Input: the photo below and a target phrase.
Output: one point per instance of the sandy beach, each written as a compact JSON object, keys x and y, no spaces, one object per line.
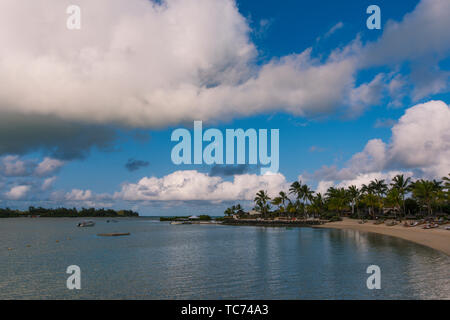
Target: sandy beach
{"x":438,"y":238}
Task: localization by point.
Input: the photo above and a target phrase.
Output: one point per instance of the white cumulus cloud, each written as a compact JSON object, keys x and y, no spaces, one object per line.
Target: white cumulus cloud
{"x":141,"y":63}
{"x":17,"y":192}
{"x":13,"y":166}
{"x":194,"y":185}
{"x":420,"y":142}
{"x":144,"y":63}
{"x":421,"y":139}
{"x":78,"y":195}
{"x":48,"y":166}
{"x":151,"y":64}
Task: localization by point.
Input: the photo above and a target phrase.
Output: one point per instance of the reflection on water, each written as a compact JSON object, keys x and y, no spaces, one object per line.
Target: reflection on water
{"x":162,"y":261}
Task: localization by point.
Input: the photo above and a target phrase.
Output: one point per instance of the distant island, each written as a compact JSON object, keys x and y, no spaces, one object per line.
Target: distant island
{"x":65,"y":212}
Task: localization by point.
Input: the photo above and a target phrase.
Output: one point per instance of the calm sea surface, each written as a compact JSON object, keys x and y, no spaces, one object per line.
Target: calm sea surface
{"x":163,"y":261}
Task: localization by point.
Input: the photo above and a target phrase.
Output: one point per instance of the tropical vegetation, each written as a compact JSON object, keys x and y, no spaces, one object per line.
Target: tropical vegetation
{"x":402,"y":197}
{"x":66,"y":212}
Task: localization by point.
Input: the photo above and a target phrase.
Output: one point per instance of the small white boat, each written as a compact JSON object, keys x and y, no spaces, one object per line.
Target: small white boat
{"x":86,"y":224}
{"x":181,"y":222}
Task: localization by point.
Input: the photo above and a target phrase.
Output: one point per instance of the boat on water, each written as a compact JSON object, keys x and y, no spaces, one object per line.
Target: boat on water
{"x":86,"y":224}
{"x":180,"y":222}
{"x":116,"y":234}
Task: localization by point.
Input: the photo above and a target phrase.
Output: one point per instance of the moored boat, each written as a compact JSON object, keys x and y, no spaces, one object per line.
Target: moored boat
{"x":86,"y":224}
{"x":177,"y":222}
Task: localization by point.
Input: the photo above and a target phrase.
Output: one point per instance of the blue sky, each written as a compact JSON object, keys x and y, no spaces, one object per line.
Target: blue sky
{"x":331,"y":128}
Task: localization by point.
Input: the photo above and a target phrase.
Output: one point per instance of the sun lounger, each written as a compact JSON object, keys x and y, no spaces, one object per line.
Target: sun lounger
{"x":392,"y":223}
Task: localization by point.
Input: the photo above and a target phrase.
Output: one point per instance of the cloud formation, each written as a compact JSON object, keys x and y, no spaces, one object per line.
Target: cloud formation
{"x":17,"y":192}
{"x":24,"y":133}
{"x":334,"y":28}
{"x":419,"y":147}
{"x":26,"y":179}
{"x":15,"y":166}
{"x":151,"y":64}
{"x":155,"y":64}
{"x":421,"y":139}
{"x":48,"y":166}
{"x":420,"y":143}
{"x":133,"y":164}
{"x":229,"y":170}
{"x":421,"y":33}
{"x":191,"y":185}
{"x":78,"y":195}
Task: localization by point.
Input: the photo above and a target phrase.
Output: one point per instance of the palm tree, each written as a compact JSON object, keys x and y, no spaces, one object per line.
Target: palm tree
{"x":317,"y":204}
{"x":307,"y":195}
{"x":394,"y":198}
{"x":337,"y":199}
{"x":354,"y":194}
{"x":239,"y":209}
{"x":402,"y":185}
{"x":228,"y":212}
{"x":291,"y":208}
{"x":261,"y":201}
{"x":280,"y":201}
{"x":369,"y":197}
{"x":446,"y":181}
{"x":380,"y":188}
{"x":277,"y":202}
{"x":296,"y":189}
{"x":438,"y":193}
{"x":424,"y":191}
{"x":283,"y":197}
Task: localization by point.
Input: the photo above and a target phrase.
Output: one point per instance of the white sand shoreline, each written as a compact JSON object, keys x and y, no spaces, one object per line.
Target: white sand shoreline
{"x":438,"y":238}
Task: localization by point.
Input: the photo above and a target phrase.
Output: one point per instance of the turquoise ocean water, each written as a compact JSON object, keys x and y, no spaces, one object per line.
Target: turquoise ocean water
{"x":163,"y":261}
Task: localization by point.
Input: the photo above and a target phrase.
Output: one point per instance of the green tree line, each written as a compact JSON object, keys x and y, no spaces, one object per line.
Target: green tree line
{"x":401,"y":197}
{"x":66,"y":212}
